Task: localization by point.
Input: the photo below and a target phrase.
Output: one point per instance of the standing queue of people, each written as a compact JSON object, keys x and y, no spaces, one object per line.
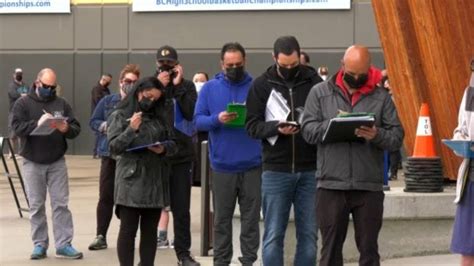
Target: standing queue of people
{"x":145,"y":139}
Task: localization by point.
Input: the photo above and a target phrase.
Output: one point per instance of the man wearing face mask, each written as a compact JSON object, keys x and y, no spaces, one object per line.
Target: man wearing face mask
{"x":44,"y":165}
{"x":181,"y":98}
{"x":289,"y":164}
{"x":350,"y":174}
{"x":235,"y":158}
{"x":98,"y":122}
{"x":16,"y":90}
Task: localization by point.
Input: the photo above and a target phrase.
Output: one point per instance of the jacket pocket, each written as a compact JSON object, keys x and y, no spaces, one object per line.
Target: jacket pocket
{"x":126,"y":168}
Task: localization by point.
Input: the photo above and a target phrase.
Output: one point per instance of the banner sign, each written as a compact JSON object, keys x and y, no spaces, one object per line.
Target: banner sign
{"x":34,"y":6}
{"x":219,"y":5}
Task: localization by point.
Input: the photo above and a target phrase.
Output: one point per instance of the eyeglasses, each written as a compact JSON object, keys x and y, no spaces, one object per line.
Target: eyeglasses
{"x":129,"y":81}
{"x":46,"y":86}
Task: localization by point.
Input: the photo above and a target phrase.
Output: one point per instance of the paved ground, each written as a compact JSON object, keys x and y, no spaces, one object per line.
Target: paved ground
{"x":15,"y":243}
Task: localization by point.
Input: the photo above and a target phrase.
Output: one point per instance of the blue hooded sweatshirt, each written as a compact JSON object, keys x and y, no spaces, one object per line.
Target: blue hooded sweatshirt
{"x":231,"y":149}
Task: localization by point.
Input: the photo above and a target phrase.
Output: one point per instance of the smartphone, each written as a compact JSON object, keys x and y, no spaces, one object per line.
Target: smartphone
{"x":289,"y":123}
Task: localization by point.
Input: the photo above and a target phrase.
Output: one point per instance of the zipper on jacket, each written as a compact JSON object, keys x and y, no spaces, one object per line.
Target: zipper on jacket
{"x":293,"y":153}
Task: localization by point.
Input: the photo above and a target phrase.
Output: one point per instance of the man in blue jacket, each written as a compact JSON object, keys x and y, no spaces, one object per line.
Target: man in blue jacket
{"x":235,"y":157}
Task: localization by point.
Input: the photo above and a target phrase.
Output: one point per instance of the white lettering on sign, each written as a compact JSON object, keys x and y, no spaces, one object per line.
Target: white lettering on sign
{"x":424,"y":126}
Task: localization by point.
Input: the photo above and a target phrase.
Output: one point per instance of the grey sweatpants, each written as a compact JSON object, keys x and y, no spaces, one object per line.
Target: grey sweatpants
{"x":40,"y":178}
{"x":227,"y":188}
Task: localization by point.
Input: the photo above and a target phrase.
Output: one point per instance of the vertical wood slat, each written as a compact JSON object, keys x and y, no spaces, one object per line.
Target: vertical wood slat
{"x":428,"y":45}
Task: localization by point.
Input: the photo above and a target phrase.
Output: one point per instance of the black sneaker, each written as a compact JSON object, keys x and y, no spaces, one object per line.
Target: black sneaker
{"x":188,"y":261}
{"x":98,"y":243}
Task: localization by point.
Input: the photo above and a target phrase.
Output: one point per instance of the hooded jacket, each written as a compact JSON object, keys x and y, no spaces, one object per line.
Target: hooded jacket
{"x":290,"y":153}
{"x":25,"y":115}
{"x":230,"y":149}
{"x":142,"y":176}
{"x":351,"y":165}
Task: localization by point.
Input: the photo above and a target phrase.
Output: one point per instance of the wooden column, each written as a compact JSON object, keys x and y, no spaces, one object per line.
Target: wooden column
{"x":428,"y":46}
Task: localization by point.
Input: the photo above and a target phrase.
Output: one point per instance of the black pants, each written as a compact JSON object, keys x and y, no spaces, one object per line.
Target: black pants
{"x":129,"y":220}
{"x":332,"y":211}
{"x":395,"y":159}
{"x":180,"y":192}
{"x":105,"y":206}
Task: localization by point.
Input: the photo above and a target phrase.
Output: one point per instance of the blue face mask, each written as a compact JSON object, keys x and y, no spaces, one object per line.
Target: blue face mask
{"x":45,"y":93}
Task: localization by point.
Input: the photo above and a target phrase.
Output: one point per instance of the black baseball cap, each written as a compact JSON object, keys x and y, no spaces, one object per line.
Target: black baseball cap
{"x":167,"y":53}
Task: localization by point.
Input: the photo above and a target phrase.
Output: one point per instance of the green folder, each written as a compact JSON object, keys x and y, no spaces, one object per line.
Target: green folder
{"x":241,"y":111}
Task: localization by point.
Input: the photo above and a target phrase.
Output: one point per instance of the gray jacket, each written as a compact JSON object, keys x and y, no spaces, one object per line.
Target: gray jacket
{"x":350,"y":165}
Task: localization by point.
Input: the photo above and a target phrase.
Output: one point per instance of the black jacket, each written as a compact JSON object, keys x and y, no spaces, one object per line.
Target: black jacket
{"x":97,"y":93}
{"x":184,"y":95}
{"x":290,"y":153}
{"x":42,"y":149}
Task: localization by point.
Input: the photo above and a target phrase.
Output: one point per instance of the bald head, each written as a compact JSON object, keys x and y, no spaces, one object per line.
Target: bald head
{"x":357,"y":59}
{"x":356,"y":65}
{"x":46,"y":77}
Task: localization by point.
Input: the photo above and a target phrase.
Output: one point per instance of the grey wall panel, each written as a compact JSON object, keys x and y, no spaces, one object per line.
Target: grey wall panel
{"x":146,"y":62}
{"x":113,"y":64}
{"x":86,"y":69}
{"x":365,"y":29}
{"x":254,"y":29}
{"x":88,"y":27}
{"x":115,"y":27}
{"x":36,"y":31}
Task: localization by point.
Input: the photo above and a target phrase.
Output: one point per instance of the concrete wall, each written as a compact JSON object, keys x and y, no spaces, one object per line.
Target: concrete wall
{"x":94,"y":39}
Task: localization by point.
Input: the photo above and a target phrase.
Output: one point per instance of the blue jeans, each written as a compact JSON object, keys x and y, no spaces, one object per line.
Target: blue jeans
{"x":279,"y":191}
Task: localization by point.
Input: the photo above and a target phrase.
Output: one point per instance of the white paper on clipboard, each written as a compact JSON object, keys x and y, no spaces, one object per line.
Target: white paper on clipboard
{"x":277,"y":109}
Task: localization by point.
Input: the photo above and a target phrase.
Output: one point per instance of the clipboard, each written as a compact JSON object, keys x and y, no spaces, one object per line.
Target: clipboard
{"x":142,"y":147}
{"x":47,"y":127}
{"x":462,"y":148}
{"x":341,"y":129}
{"x":241,"y":111}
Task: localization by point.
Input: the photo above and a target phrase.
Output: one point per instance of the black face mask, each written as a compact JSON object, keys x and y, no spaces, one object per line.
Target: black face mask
{"x":355,"y":83}
{"x":289,"y":74}
{"x":19,"y":77}
{"x":146,"y":104}
{"x":166,"y":68}
{"x":235,"y":74}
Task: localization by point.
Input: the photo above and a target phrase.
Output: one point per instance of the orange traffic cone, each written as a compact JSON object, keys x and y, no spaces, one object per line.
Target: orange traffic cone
{"x":424,"y":142}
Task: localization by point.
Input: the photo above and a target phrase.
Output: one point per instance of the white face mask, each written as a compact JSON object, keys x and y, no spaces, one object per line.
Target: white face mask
{"x":324,"y":77}
{"x":198,"y":86}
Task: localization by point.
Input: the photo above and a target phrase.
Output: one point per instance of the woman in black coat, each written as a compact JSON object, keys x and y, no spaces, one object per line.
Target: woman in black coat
{"x":142,"y":175}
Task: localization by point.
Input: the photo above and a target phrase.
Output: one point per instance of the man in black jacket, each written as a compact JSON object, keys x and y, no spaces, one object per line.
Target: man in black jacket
{"x":289,"y":163}
{"x":16,"y":89}
{"x":44,"y":166}
{"x":181,"y":98}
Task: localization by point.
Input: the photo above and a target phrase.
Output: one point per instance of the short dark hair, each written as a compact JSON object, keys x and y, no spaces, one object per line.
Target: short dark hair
{"x":203,"y":73}
{"x":306,"y":56}
{"x":286,"y":45}
{"x":232,"y":47}
{"x":107,"y":75}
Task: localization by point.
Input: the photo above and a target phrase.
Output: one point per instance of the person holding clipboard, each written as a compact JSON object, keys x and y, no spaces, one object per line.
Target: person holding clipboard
{"x":463,"y":230}
{"x":350,"y":169}
{"x":142,"y":175}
